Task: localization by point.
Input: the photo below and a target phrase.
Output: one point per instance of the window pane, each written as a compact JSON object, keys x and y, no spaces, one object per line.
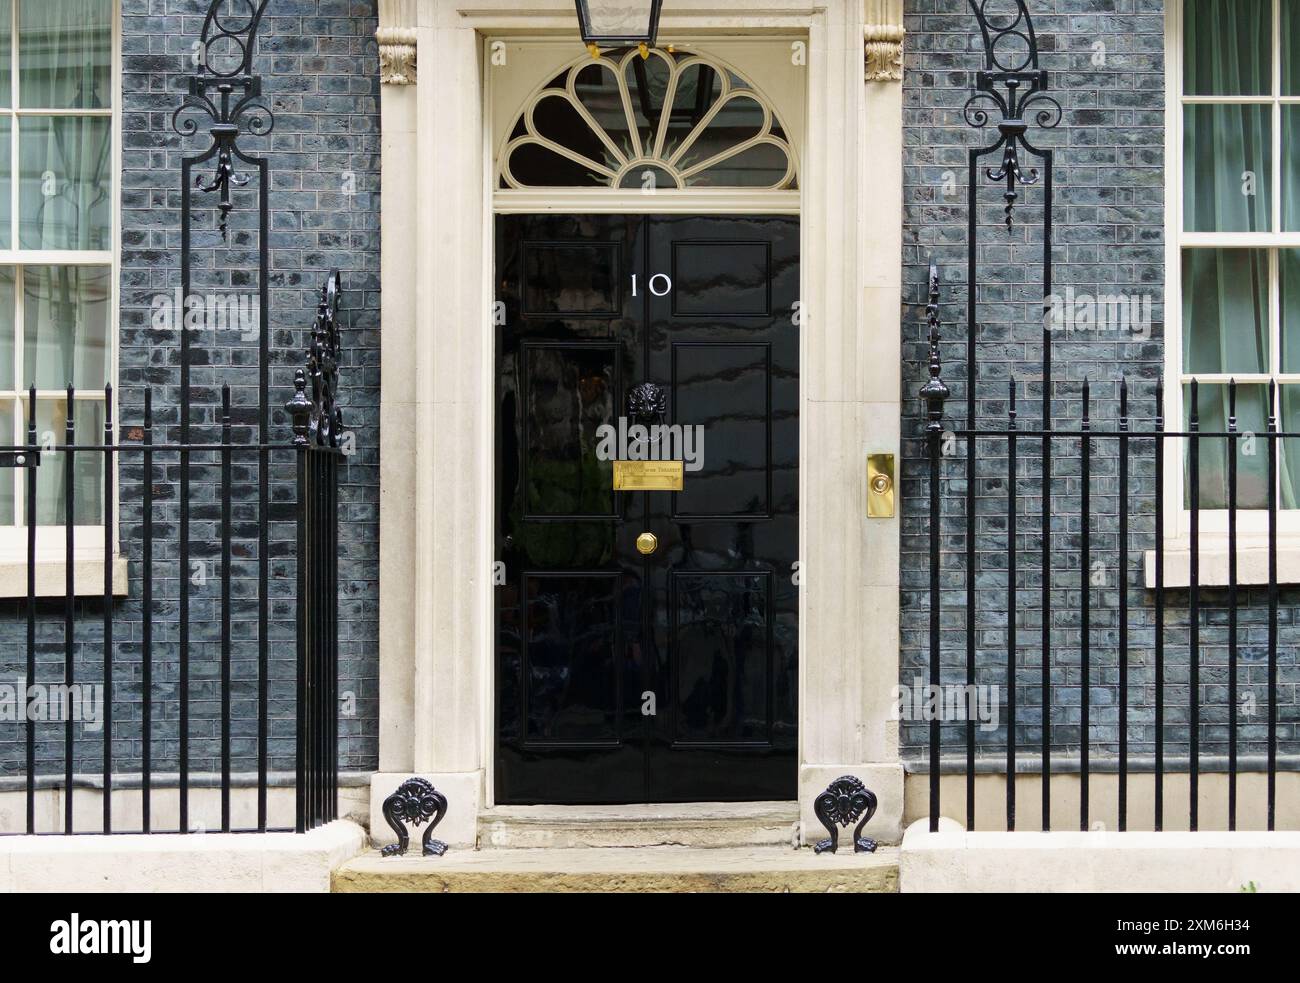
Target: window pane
{"x":7,"y":338}
{"x":6,"y":55}
{"x":1289,"y":469}
{"x":88,"y":466}
{"x":1226,"y":47}
{"x":66,"y":182}
{"x":1289,"y":273}
{"x":65,"y":54}
{"x":6,"y":172}
{"x":762,"y":165}
{"x":1252,"y":468}
{"x":618,"y":19}
{"x":7,"y":437}
{"x":1290,"y":47}
{"x":65,"y":326}
{"x":1227,"y":168}
{"x":1291,"y":168}
{"x":1225,"y":310}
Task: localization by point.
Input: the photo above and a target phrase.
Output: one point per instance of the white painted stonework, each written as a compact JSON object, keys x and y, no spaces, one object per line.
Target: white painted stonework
{"x":436,"y":643}
{"x":208,"y":863}
{"x":957,"y":861}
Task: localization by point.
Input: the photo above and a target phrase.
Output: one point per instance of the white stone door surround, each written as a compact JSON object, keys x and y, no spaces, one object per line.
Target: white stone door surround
{"x":436,"y":415}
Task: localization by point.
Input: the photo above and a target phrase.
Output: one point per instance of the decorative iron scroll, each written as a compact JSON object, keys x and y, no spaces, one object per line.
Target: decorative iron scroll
{"x":416,"y":801}
{"x":317,"y":418}
{"x":228,"y":95}
{"x":1013,"y":86}
{"x":846,"y":800}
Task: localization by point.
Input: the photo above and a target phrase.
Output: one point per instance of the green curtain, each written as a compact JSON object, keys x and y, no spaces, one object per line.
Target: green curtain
{"x":66,"y":182}
{"x":1228,"y":154}
{"x":65,"y":202}
{"x":65,"y":54}
{"x":1225,"y":330}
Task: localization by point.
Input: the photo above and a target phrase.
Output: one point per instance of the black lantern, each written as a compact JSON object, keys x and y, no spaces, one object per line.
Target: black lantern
{"x":619,"y":22}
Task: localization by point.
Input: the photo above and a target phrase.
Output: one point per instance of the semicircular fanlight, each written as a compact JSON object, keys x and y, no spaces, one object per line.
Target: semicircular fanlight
{"x":670,"y":120}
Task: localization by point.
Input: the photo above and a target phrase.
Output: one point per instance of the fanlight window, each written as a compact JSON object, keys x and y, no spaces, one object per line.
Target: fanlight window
{"x":667,"y":121}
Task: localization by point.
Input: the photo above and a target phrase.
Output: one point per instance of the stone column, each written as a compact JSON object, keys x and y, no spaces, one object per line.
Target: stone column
{"x":851,"y":409}
{"x":430,"y":626}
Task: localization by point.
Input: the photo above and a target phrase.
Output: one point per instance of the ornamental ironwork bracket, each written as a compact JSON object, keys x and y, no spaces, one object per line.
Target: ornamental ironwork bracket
{"x":227,"y":94}
{"x":1013,"y":88}
{"x":846,"y":800}
{"x":416,"y":801}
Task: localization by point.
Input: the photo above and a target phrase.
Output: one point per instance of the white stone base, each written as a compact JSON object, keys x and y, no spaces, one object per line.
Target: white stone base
{"x":197,"y":863}
{"x":459,"y":828}
{"x":885,"y":780}
{"x":957,"y":861}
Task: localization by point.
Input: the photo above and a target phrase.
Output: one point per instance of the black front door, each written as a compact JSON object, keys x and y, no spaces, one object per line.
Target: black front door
{"x":622,"y":675}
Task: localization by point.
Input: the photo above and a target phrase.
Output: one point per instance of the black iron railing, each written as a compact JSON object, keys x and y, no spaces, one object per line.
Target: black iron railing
{"x":137,"y":455}
{"x":318,"y":436}
{"x":1137,"y":441}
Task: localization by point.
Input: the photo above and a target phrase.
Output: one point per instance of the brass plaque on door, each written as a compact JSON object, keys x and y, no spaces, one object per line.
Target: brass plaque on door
{"x":648,"y":475}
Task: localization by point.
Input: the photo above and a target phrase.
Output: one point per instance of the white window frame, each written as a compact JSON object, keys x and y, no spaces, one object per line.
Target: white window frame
{"x":88,"y":558}
{"x":1252,"y":524}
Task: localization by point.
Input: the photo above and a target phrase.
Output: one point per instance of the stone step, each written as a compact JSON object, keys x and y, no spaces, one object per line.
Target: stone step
{"x":660,"y":869}
{"x":691,"y":824}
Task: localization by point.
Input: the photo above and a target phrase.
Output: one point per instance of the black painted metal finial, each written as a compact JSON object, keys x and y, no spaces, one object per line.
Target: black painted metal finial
{"x":934,"y":392}
{"x":228,"y":94}
{"x":325,"y":422}
{"x":1012,"y":84}
{"x":846,"y":800}
{"x":416,"y":801}
{"x":299,"y":409}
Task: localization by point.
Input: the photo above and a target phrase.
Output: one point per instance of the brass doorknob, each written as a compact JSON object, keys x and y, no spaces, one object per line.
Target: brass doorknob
{"x":647,"y":543}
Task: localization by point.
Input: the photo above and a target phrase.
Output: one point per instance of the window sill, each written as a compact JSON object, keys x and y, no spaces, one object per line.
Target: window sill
{"x":51,"y":577}
{"x":1252,"y":563}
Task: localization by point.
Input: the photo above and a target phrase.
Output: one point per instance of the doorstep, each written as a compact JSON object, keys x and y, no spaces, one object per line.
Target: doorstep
{"x":657,"y":869}
{"x":689,"y":824}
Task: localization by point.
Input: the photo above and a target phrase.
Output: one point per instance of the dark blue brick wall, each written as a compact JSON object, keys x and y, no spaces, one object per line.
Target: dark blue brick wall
{"x":319,"y":64}
{"x":1109,"y":239}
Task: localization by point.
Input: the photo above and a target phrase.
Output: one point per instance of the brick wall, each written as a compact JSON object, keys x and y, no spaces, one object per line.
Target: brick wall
{"x":319,"y":66}
{"x":1106,"y":59}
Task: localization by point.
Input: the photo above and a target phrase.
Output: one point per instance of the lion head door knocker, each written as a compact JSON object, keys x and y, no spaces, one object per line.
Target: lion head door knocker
{"x":845,"y":800}
{"x":647,"y":403}
{"x":415,"y":802}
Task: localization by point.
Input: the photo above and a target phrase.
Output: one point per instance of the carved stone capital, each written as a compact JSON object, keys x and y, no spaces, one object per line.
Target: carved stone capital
{"x":884,"y":53}
{"x":396,"y":55}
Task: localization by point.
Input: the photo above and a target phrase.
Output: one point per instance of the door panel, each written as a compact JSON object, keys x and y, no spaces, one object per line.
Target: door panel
{"x":726,"y":389}
{"x":567,"y":390}
{"x":724,"y":626}
{"x":624,"y":677}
